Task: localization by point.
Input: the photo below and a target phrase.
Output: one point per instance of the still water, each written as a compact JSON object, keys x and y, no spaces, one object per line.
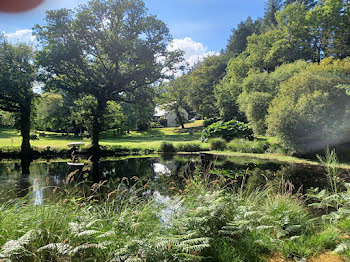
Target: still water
{"x":40,"y":178}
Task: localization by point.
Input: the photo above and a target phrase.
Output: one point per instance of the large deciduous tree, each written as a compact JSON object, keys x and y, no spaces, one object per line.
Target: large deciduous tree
{"x":203,"y":79}
{"x":107,"y":49}
{"x":17,"y":74}
{"x":173,"y":96}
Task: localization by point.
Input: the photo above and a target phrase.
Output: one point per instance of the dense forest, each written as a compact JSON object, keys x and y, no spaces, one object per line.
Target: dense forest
{"x":287,"y":74}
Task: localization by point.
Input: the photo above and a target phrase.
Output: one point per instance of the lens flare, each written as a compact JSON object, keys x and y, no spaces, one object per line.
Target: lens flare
{"x":15,"y":6}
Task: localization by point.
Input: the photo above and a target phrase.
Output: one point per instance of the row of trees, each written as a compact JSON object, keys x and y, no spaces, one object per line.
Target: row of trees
{"x":281,"y":73}
{"x":98,"y":57}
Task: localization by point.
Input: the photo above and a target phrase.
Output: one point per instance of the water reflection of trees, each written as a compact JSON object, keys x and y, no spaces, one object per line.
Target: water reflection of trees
{"x":24,"y":183}
{"x":159,"y":174}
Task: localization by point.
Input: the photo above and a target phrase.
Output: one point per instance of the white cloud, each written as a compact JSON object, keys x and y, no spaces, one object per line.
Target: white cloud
{"x":23,"y":36}
{"x":194,"y":51}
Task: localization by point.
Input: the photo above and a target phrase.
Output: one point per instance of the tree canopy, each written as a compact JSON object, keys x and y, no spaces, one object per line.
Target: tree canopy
{"x":105,"y":49}
{"x":17,"y":75}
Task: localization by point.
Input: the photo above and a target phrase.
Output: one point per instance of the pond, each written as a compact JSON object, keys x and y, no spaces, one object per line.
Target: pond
{"x":40,"y":178}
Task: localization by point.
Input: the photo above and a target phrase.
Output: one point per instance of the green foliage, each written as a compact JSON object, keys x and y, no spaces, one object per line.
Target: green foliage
{"x":255,"y":105}
{"x":271,"y":8}
{"x":7,"y":119}
{"x":217,"y":144}
{"x":310,"y":245}
{"x":309,"y":106}
{"x":227,"y":130}
{"x":190,"y":147}
{"x":203,"y":79}
{"x":331,"y":162}
{"x":238,"y":39}
{"x":207,"y":122}
{"x":173,"y":97}
{"x":116,"y":62}
{"x":52,"y":112}
{"x":260,"y":88}
{"x":17,"y":74}
{"x":226,"y":96}
{"x":244,"y":146}
{"x":167,"y":147}
{"x":83,"y":113}
{"x":204,"y":223}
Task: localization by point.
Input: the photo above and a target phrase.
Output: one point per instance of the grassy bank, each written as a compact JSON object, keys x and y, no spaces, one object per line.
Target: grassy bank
{"x":152,"y":141}
{"x":135,"y":142}
{"x":210,"y":219}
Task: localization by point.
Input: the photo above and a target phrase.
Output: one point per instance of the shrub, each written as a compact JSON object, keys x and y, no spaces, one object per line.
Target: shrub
{"x":244,"y":146}
{"x":311,"y":111}
{"x":155,"y":125}
{"x":217,"y":144}
{"x":208,"y":122}
{"x":259,"y":88}
{"x":255,"y":105}
{"x":167,"y":147}
{"x":278,"y":149}
{"x":163,"y":122}
{"x":227,"y":130}
{"x":190,"y":147}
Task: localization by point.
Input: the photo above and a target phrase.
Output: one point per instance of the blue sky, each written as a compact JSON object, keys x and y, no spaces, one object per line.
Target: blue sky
{"x":200,"y":27}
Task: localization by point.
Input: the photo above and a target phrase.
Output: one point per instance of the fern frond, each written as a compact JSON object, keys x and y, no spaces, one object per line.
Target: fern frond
{"x":60,"y":248}
{"x":110,"y":233}
{"x":87,"y":233}
{"x":78,"y":249}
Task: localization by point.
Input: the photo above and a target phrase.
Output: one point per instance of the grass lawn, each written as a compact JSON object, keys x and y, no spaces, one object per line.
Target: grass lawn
{"x":150,"y":139}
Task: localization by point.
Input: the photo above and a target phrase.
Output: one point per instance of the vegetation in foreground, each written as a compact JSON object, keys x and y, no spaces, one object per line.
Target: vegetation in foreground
{"x":212,"y":218}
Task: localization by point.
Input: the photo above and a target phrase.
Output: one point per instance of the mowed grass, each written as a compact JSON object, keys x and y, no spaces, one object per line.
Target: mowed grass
{"x":150,"y":139}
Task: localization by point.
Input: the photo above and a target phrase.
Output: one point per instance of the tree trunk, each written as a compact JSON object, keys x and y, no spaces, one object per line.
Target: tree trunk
{"x":25,"y":131}
{"x":179,"y":118}
{"x":95,"y":135}
{"x":96,"y":125}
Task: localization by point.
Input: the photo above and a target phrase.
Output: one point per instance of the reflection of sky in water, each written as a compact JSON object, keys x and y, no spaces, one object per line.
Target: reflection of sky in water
{"x":161,"y":169}
{"x":37,"y":192}
{"x":170,"y":207}
{"x":42,"y":176}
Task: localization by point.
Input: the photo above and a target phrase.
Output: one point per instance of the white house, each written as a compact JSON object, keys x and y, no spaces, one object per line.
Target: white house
{"x":170,"y":116}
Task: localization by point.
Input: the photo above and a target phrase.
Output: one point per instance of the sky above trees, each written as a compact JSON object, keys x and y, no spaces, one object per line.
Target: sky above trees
{"x":199,"y":27}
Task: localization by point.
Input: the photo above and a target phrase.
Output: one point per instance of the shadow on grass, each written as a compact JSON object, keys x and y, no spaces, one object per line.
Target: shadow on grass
{"x":163,"y":137}
{"x":155,"y":134}
{"x":151,"y":135}
{"x":8,"y":133}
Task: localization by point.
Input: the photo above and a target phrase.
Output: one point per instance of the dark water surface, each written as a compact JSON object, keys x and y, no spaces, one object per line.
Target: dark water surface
{"x":38,"y":179}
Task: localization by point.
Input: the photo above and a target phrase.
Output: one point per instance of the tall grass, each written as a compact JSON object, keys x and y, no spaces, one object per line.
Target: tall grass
{"x":217,"y":144}
{"x":167,"y":147}
{"x":212,"y":218}
{"x":246,"y":146}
